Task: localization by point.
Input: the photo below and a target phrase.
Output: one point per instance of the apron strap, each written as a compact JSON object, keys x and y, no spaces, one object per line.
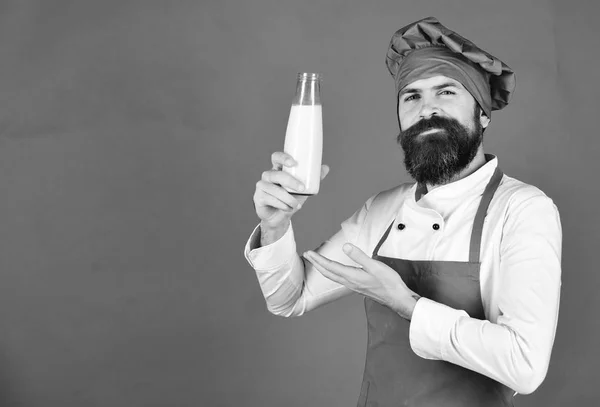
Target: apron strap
{"x":475,"y":245}
{"x":383,"y":238}
{"x":488,"y":194}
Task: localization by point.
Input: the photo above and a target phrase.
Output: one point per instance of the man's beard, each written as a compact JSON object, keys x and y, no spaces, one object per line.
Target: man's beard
{"x":437,"y":157}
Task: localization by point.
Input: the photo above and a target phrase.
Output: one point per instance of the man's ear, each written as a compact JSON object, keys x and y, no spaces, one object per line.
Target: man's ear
{"x":484,"y":120}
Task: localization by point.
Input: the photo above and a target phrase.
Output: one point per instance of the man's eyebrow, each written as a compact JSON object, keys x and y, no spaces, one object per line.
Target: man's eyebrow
{"x":409,"y":90}
{"x":436,"y":87}
{"x":445,"y":85}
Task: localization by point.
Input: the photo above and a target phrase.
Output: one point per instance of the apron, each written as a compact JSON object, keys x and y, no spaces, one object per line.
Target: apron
{"x":394,"y":375}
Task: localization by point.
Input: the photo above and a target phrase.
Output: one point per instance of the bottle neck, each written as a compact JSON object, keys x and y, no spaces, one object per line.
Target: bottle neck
{"x":308,"y":89}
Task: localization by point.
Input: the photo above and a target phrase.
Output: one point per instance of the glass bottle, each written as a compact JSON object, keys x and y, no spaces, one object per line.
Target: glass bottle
{"x":304,"y":134}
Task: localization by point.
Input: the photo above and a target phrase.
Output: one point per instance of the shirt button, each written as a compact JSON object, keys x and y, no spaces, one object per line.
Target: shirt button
{"x":401,"y":226}
{"x":436,"y":226}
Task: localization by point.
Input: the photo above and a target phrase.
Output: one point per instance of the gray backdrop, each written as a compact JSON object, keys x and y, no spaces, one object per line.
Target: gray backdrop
{"x":132,"y":136}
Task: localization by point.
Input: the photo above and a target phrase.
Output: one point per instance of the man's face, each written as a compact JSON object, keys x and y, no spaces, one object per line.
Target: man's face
{"x":441,"y":128}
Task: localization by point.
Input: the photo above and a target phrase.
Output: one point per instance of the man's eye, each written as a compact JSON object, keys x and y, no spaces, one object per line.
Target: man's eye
{"x":410,"y":97}
{"x":447,"y":92}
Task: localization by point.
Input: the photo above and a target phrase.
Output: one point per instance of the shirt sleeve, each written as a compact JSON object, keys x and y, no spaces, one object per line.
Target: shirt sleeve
{"x":515,"y":350}
{"x":291,"y":286}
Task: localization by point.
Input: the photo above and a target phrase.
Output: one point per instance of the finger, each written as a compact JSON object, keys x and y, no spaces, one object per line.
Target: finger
{"x":348,"y":272}
{"x":280,"y":158}
{"x":278,"y":193}
{"x":268,"y":200}
{"x":324,"y":171}
{"x":283,"y":179}
{"x":358,"y":256}
{"x":328,"y":274}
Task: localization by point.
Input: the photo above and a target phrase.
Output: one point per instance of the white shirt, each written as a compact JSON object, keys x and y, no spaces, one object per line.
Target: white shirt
{"x":520,"y":274}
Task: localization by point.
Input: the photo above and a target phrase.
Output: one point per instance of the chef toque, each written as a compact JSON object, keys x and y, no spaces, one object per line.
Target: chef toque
{"x":426,"y":48}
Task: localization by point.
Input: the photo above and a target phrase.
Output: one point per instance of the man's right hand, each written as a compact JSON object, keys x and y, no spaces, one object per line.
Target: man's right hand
{"x":274,"y":205}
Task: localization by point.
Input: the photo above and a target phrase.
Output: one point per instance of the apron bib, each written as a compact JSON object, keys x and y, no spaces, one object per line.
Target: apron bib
{"x":394,"y":375}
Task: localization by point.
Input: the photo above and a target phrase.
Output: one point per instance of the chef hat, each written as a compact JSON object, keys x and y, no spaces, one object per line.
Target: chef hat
{"x":426,"y":48}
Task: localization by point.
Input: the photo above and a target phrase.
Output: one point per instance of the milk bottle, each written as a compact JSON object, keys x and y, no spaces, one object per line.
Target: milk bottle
{"x":304,"y":134}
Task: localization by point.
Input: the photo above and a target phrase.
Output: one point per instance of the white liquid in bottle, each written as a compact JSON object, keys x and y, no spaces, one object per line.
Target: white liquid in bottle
{"x":304,"y":142}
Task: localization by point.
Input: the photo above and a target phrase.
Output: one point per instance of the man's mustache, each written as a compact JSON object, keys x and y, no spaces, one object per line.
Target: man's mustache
{"x":434,"y":122}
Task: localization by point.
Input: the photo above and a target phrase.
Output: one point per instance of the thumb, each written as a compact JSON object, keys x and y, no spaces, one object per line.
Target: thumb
{"x":324,"y":171}
{"x":357,"y":255}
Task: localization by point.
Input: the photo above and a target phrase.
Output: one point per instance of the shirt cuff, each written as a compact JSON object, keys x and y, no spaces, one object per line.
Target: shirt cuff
{"x":431,"y":326}
{"x":271,"y":256}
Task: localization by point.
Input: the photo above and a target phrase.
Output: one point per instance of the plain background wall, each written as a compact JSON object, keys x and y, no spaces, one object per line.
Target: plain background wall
{"x":131,"y":138}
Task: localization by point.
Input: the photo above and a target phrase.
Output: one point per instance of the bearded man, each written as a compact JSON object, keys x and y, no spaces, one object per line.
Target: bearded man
{"x":460,"y":270}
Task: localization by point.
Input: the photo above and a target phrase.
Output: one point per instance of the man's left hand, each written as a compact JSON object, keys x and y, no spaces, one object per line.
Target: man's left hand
{"x":375,"y":279}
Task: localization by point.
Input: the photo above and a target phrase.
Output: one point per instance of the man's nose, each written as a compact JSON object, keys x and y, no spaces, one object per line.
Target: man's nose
{"x":428,"y":109}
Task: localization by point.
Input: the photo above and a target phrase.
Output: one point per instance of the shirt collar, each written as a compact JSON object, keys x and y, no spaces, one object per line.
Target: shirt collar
{"x":446,"y":198}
